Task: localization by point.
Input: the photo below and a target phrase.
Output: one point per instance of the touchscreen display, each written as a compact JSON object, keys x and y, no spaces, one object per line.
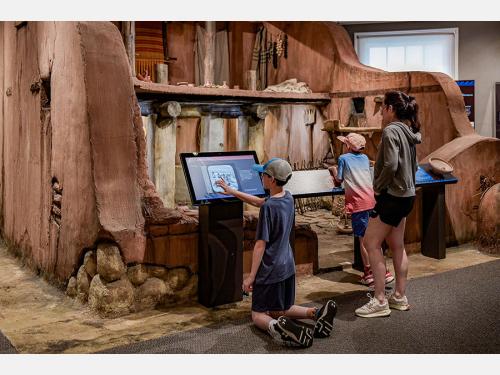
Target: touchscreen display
{"x":203,"y":169}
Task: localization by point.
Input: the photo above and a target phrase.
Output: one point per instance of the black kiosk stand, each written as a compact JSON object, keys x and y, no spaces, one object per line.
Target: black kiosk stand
{"x":220,"y":244}
{"x":220,"y":253}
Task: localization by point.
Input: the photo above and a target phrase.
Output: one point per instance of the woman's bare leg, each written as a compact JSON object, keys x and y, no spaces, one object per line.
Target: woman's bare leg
{"x":375,"y":234}
{"x":395,"y":240}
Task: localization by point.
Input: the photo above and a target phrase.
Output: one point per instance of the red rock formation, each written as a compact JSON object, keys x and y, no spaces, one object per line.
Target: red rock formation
{"x":88,"y":137}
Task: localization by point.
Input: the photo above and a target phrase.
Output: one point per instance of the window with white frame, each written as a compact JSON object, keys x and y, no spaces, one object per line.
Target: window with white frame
{"x":434,"y":50}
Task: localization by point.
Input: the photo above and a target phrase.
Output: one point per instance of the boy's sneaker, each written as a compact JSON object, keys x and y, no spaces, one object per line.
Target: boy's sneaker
{"x":399,"y":303}
{"x":367,"y":278}
{"x":373,"y":309}
{"x":388,"y":277}
{"x":324,"y":321}
{"x":289,"y":333}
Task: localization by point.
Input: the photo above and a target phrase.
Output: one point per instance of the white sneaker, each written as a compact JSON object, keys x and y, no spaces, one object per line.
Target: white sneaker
{"x":399,"y":303}
{"x":373,"y":308}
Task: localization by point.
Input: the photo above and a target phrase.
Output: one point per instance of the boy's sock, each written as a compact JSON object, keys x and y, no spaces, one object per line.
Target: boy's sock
{"x":272,"y":331}
{"x":313,"y":313}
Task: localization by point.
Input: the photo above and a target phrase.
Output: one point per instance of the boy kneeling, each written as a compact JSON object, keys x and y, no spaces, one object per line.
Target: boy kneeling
{"x":272,"y":276}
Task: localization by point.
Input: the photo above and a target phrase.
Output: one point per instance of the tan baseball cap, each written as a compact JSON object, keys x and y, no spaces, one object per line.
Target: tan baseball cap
{"x":354,"y":140}
{"x":278,"y":168}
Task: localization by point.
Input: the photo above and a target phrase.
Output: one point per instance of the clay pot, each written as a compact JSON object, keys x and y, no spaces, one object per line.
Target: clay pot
{"x":440,"y":166}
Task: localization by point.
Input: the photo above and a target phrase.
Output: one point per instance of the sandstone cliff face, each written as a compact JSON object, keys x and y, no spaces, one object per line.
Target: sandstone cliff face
{"x":70,"y":120}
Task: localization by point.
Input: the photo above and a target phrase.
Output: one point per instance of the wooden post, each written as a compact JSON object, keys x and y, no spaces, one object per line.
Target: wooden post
{"x":256,"y":138}
{"x":164,"y":35}
{"x":162,"y":68}
{"x":209,"y":71}
{"x":231,"y":136}
{"x":129,"y":41}
{"x":149,"y":128}
{"x":242,"y":133}
{"x":212,"y":134}
{"x":164,"y":162}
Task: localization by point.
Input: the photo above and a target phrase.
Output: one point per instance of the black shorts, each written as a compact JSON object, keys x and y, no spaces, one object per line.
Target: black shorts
{"x":279,"y":296}
{"x":392,"y":209}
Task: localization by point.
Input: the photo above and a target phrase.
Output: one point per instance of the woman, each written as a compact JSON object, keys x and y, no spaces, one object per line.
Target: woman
{"x":394,"y":188}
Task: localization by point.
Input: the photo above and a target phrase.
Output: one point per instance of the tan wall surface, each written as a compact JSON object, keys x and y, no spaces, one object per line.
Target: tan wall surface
{"x":87,"y":141}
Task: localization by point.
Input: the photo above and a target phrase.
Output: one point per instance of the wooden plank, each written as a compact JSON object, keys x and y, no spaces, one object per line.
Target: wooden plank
{"x":188,"y":138}
{"x":129,"y":40}
{"x":142,"y":87}
{"x":209,"y":60}
{"x":231,"y":134}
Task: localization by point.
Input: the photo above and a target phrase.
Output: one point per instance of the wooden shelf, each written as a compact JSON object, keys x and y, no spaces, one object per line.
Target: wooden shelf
{"x":346,"y":129}
{"x":150,"y":90}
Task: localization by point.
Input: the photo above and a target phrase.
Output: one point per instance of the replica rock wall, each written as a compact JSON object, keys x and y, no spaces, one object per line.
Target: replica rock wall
{"x":73,"y":165}
{"x":76,"y":201}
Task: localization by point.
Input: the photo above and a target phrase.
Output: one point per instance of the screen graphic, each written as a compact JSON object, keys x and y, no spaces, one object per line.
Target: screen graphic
{"x":225,"y":172}
{"x":202,"y":170}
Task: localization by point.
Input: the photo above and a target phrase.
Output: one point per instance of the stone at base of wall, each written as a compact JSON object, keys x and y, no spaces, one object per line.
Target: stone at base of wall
{"x":129,"y":289}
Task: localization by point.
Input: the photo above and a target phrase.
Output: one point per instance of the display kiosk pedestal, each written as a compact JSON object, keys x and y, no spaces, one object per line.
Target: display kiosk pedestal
{"x":220,"y":253}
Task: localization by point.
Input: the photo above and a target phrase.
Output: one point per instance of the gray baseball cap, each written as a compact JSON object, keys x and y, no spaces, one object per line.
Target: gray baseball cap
{"x":278,"y":168}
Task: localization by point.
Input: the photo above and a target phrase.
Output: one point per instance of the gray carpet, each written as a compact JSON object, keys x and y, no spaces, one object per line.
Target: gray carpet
{"x":5,"y":345}
{"x":452,"y":312}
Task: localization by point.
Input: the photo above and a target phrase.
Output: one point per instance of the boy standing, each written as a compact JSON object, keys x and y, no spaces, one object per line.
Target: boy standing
{"x":272,"y":276}
{"x":354,"y":171}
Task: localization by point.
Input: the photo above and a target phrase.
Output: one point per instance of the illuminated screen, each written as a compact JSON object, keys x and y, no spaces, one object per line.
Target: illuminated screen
{"x":203,"y":169}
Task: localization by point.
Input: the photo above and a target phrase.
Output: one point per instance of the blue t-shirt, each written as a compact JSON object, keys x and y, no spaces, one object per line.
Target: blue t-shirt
{"x":276,"y":218}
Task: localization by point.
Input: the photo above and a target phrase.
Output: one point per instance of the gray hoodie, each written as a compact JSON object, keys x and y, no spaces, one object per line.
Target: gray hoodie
{"x":396,"y":163}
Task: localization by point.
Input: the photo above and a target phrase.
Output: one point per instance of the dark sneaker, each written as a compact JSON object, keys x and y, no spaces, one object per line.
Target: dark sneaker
{"x":292,"y":334}
{"x":324,"y":323}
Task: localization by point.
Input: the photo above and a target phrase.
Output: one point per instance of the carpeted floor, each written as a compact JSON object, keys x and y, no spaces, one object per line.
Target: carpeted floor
{"x":453,"y":312}
{"x":5,"y":345}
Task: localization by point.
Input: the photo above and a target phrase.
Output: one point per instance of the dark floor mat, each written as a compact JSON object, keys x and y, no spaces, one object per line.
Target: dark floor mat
{"x":5,"y":345}
{"x":452,"y":312}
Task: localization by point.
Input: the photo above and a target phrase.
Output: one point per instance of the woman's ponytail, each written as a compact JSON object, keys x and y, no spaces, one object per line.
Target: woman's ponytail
{"x":412,"y":113}
{"x":405,"y":106}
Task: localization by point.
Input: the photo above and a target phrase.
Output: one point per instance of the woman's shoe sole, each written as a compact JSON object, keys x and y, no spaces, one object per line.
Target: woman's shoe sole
{"x":375,"y":314}
{"x":400,"y":308}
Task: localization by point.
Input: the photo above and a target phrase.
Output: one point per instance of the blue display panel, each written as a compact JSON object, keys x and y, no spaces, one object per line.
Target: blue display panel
{"x":203,"y":169}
